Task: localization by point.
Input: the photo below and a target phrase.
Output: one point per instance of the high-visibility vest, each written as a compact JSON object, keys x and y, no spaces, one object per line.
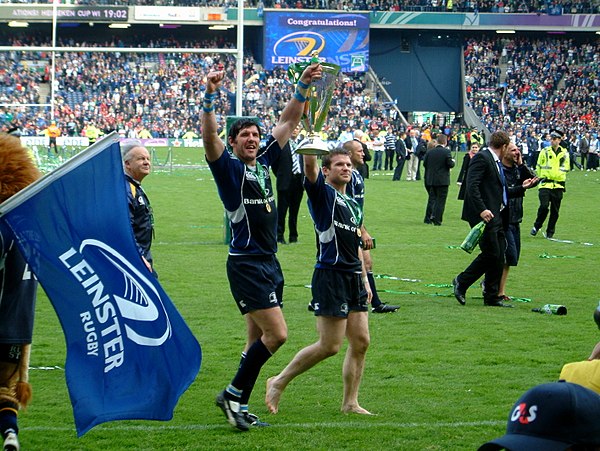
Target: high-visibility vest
{"x":92,"y":133}
{"x":553,"y":167}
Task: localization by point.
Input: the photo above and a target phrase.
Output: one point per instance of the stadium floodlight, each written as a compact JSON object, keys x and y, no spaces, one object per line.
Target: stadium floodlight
{"x":505,"y":31}
{"x":220,"y":27}
{"x":119,"y":25}
{"x":18,"y":24}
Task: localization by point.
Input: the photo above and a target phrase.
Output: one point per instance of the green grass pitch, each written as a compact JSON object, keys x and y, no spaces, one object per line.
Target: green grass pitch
{"x":438,"y":376}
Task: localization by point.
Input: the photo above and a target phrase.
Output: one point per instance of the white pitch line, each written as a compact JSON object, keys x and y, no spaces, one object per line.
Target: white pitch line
{"x":204,"y":427}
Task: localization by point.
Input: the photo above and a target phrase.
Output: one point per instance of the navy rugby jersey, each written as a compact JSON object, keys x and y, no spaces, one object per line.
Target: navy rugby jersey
{"x":253,"y":226}
{"x":356,"y":188}
{"x":336,"y":223}
{"x":18,"y":288}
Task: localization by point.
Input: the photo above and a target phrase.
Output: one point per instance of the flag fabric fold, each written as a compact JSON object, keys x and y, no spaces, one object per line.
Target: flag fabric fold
{"x":130,"y":354}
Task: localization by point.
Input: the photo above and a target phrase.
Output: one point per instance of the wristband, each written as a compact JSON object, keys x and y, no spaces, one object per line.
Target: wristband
{"x":303,"y":85}
{"x":299,"y":97}
{"x":210,"y":96}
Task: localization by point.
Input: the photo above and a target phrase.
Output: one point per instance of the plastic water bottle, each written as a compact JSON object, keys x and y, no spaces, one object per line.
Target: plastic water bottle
{"x":472,"y":239}
{"x":551,"y":309}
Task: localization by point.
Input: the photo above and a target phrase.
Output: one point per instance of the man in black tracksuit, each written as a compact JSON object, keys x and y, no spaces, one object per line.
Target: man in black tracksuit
{"x":136,"y":162}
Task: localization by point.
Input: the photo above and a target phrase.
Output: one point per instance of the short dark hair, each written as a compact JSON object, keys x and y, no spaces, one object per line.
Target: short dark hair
{"x":241,"y":124}
{"x":441,"y":139}
{"x":499,"y":139}
{"x":326,"y":161}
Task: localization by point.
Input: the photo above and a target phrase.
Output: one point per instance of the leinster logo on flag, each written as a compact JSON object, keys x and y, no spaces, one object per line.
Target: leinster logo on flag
{"x":134,"y":308}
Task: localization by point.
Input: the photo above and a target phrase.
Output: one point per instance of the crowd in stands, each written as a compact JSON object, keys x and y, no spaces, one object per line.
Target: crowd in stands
{"x":525,"y":85}
{"x":548,"y":83}
{"x":156,"y":95}
{"x":490,"y":6}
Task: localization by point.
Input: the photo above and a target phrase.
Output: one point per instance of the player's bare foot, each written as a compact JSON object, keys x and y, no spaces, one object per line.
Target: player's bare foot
{"x":355,"y":409}
{"x":272,"y":396}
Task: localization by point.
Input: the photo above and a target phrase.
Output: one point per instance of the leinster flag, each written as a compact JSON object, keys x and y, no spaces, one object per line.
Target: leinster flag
{"x":130,"y":355}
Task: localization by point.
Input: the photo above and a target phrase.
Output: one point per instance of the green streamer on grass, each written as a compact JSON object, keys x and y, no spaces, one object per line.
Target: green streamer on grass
{"x":512,"y":298}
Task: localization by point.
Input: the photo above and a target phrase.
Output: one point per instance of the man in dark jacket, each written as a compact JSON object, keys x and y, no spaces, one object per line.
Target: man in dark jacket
{"x":288,"y":170}
{"x":136,"y":162}
{"x":401,"y":153}
{"x":437,"y":163}
{"x":486,"y":200}
{"x":516,"y":173}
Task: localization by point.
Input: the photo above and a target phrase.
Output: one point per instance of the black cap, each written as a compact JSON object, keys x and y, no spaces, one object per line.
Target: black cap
{"x":551,"y":417}
{"x":557,"y":133}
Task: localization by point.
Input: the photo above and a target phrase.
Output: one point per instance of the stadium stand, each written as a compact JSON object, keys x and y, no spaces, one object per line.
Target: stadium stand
{"x":522,"y":84}
{"x":493,"y":6}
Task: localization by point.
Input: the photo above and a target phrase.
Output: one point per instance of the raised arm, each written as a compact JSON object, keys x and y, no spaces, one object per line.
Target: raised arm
{"x":311,"y":168}
{"x":213,"y":146}
{"x":292,"y":113}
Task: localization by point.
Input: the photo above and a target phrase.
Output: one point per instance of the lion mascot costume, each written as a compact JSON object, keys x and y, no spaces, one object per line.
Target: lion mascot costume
{"x":18,"y":289}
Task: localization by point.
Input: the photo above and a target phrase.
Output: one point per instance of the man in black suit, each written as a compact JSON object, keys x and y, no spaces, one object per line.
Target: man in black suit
{"x":437,"y":163}
{"x":486,"y":199}
{"x":401,"y":153}
{"x":288,"y":170}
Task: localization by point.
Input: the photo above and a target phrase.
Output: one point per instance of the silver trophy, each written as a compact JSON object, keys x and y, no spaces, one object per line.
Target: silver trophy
{"x":318,"y":100}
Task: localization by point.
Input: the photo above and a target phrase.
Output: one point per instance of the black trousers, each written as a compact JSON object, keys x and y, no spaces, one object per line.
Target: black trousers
{"x":390,"y":155}
{"x":436,"y":204}
{"x":399,"y":167}
{"x":288,"y":204}
{"x":550,"y":200}
{"x":490,"y":261}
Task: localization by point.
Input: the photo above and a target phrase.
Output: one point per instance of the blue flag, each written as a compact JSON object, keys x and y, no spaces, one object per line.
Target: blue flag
{"x":130,"y":355}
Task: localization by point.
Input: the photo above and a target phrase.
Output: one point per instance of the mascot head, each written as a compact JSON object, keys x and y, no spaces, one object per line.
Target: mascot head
{"x":17,"y":170}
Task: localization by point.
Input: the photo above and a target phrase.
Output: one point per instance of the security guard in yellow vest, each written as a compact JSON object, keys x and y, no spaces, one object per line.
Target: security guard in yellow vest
{"x":92,"y":133}
{"x":477,"y":138}
{"x":553,"y":165}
